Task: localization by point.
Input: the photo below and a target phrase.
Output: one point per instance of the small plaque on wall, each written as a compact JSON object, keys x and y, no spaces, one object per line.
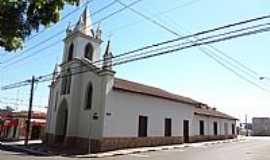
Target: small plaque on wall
{"x":95,"y":116}
{"x":108,"y":114}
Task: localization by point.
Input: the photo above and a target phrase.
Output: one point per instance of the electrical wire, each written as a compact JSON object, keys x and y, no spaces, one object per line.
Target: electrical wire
{"x":44,"y":29}
{"x":206,"y":52}
{"x":64,"y":30}
{"x":63,"y":18}
{"x":193,"y":44}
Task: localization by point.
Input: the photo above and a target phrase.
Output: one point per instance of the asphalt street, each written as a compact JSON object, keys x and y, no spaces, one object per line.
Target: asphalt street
{"x":251,"y":149}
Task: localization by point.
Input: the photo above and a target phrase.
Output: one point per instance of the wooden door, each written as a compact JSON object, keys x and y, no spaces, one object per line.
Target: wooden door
{"x":186,"y":131}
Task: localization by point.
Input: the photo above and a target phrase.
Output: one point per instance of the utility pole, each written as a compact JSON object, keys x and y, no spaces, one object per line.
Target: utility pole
{"x":246,"y":126}
{"x":29,"y":110}
{"x":30,"y":82}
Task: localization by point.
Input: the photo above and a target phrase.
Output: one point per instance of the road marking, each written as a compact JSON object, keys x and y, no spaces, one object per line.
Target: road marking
{"x":140,"y":155}
{"x":174,"y":150}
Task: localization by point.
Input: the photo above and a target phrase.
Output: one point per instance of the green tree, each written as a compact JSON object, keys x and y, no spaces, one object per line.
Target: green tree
{"x":18,"y":18}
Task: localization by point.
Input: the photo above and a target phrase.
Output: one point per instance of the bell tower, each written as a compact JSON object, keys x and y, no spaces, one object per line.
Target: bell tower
{"x":82,"y":41}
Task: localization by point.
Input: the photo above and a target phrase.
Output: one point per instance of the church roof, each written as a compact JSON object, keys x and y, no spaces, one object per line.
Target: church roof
{"x":134,"y":87}
{"x":212,"y":112}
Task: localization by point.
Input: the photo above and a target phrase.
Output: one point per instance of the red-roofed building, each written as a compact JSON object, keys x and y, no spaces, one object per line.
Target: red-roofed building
{"x":14,"y":125}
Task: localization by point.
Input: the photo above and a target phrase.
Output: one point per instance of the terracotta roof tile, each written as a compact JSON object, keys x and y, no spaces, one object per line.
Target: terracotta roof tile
{"x":212,"y":112}
{"x":135,"y":87}
{"x":129,"y":86}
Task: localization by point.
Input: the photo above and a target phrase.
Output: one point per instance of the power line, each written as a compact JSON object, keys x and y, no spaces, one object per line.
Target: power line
{"x":156,"y":14}
{"x":21,"y":104}
{"x":231,"y":61}
{"x":147,"y":18}
{"x":163,"y":48}
{"x":22,"y":83}
{"x":241,"y":66}
{"x":193,"y":44}
{"x":178,"y":49}
{"x":187,"y":42}
{"x":235,"y":60}
{"x":197,"y":34}
{"x":42,"y":42}
{"x":62,"y":31}
{"x":53,"y":44}
{"x":167,"y":47}
{"x":233,"y":71}
{"x":200,"y":48}
{"x":251,"y":20}
{"x":206,"y":43}
{"x":63,"y":18}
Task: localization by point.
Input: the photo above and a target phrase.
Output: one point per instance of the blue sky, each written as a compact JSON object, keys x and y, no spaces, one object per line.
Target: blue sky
{"x":188,"y":73}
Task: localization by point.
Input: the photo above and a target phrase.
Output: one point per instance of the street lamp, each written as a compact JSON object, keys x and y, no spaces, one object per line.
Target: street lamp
{"x":264,"y":78}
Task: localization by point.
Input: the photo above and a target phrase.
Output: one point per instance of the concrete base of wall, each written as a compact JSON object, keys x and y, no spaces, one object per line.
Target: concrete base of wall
{"x":119,"y":143}
{"x":78,"y":144}
{"x":108,"y":144}
{"x":199,"y":138}
{"x":256,"y":133}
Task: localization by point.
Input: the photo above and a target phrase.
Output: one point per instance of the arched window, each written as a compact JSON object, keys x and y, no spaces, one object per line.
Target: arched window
{"x":66,"y":82}
{"x":63,"y":85}
{"x":89,"y":97}
{"x":88,"y":51}
{"x":56,"y":101}
{"x":69,"y":75}
{"x":70,"y":52}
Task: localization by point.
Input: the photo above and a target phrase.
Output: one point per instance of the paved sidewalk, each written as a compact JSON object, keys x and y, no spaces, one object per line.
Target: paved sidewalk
{"x":18,"y":146}
{"x":159,"y":148}
{"x":21,"y":142}
{"x":30,"y":149}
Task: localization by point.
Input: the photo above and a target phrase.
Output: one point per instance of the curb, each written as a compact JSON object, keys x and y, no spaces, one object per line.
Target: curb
{"x":154,"y":149}
{"x":26,"y":150}
{"x":125,"y":152}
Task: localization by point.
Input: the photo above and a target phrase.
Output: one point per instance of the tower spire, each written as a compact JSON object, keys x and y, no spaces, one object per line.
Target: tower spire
{"x":84,"y":24}
{"x":68,"y":29}
{"x":98,"y":32}
{"x":107,"y":57}
{"x":56,"y":72}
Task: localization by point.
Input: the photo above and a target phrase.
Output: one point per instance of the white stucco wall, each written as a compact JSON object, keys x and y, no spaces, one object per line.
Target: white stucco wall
{"x":122,"y":110}
{"x":209,"y":125}
{"x":79,"y":118}
{"x":125,"y":107}
{"x":261,"y":126}
{"x":196,"y":125}
{"x":52,"y":108}
{"x":79,"y":41}
{"x":87,"y":126}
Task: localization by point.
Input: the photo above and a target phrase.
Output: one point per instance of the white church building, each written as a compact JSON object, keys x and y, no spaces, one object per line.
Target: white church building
{"x":91,"y":109}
